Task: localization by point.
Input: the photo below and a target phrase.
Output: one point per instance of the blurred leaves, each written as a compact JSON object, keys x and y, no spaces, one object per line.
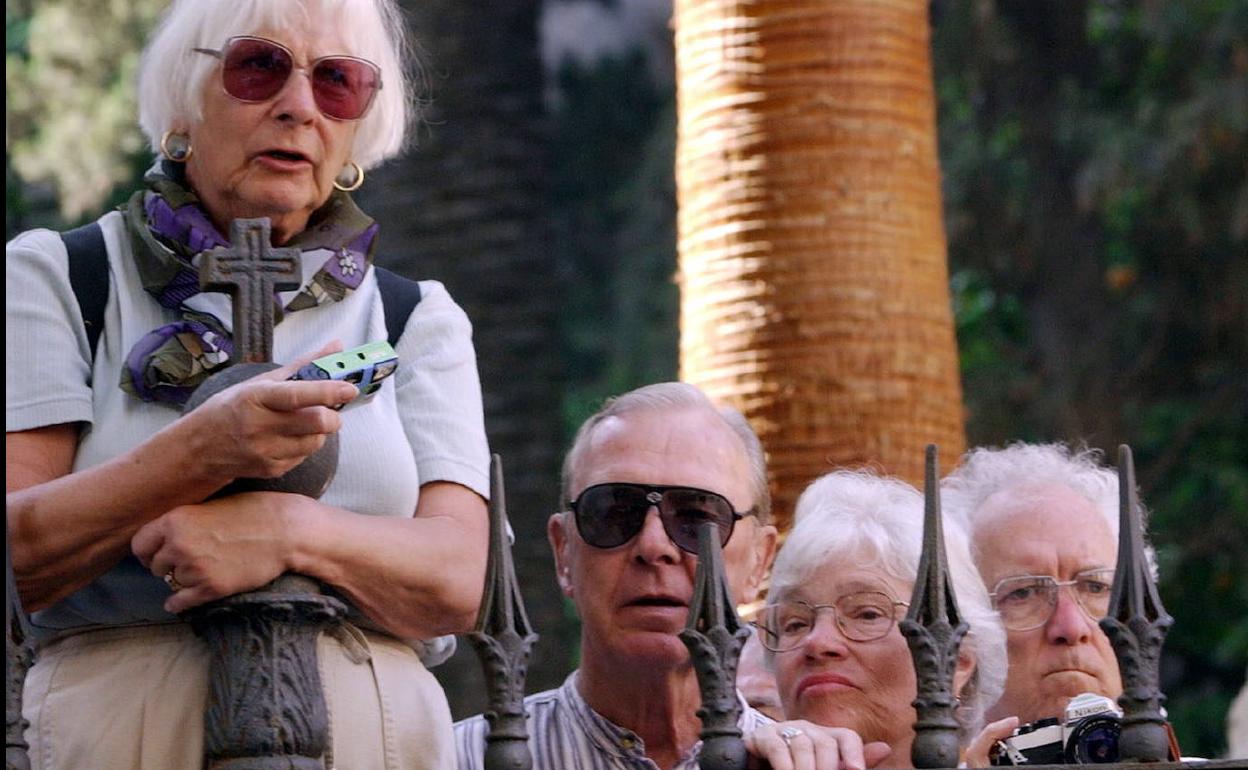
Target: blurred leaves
{"x":614,"y":203}
{"x":70,"y":106}
{"x":1096,"y":186}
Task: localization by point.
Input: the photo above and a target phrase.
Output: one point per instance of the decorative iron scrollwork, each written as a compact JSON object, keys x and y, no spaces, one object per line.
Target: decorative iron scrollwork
{"x":266,"y":708}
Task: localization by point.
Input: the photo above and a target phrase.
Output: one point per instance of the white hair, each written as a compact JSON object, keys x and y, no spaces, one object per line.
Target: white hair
{"x":1027,"y":470}
{"x":673,"y":397}
{"x":858,"y":519}
{"x":172,"y":76}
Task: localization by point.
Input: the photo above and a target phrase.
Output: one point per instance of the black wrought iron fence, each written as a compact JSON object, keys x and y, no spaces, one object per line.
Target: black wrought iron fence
{"x":1136,"y":625}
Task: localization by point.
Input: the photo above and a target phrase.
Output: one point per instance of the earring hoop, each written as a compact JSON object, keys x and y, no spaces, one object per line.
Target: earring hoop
{"x":349,"y":186}
{"x":176,"y":146}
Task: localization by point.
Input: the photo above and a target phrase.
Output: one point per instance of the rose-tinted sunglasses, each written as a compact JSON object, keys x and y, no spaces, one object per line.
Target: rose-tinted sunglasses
{"x":254,"y":69}
{"x":609,"y":515}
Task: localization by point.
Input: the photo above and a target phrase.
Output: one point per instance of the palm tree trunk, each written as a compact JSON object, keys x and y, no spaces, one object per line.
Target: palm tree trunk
{"x":812,"y":251}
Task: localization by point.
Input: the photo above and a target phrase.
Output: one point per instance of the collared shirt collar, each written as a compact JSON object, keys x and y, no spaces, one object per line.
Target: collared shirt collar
{"x":618,"y":741}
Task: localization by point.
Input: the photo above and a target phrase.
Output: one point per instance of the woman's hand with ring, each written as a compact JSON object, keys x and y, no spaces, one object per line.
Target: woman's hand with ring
{"x":802,"y":745}
{"x":219,"y":548}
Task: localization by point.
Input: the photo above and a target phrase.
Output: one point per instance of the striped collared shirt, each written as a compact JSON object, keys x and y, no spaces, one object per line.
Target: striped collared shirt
{"x":566,"y":734}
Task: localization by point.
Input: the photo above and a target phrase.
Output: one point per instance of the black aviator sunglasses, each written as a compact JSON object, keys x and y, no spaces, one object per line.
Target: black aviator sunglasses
{"x":609,"y":515}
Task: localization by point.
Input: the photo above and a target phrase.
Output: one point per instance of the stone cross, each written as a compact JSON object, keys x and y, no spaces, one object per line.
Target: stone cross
{"x":250,"y":271}
{"x":266,"y":707}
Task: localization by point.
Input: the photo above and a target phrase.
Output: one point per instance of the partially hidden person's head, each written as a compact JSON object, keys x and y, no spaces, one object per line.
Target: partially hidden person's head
{"x":641,"y":476}
{"x":1043,"y":522}
{"x":268,"y":103}
{"x":841,"y":583}
{"x":756,"y":680}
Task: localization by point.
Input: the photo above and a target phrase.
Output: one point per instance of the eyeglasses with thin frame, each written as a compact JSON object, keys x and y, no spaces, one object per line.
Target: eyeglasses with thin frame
{"x":1026,"y":602}
{"x":862,"y":616}
{"x":609,"y":515}
{"x":255,"y":69}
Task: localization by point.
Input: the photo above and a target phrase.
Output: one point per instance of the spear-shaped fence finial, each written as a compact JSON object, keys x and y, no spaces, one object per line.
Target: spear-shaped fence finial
{"x":502,"y":639}
{"x":1136,"y":625}
{"x":714,"y":635}
{"x":934,"y":629}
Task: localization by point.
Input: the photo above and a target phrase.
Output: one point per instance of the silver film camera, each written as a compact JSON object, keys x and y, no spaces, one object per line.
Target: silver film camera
{"x":1086,"y":734}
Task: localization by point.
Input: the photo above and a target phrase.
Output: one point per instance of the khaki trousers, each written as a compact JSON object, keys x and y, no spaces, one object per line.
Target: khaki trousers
{"x":133,"y":699}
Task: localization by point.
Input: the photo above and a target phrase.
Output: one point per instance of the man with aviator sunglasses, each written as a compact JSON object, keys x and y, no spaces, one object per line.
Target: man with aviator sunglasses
{"x":642,"y":475}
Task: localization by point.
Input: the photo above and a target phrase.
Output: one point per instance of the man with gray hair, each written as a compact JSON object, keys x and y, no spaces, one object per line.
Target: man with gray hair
{"x":642,"y":475}
{"x":1043,"y":522}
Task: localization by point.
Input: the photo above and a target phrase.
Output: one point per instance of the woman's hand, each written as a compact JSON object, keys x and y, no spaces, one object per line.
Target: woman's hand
{"x":809,"y":746}
{"x":976,"y":754}
{"x":418,"y":577}
{"x":66,"y":529}
{"x":267,"y":425}
{"x":220,"y":547}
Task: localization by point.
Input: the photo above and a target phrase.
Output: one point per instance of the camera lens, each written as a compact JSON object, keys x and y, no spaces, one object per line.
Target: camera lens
{"x":1094,"y":741}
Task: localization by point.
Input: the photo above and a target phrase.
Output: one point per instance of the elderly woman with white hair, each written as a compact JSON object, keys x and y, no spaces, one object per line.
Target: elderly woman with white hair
{"x":840,"y":584}
{"x":257,"y":108}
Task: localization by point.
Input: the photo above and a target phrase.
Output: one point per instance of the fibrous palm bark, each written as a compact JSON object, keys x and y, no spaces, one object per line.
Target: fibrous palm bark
{"x":812,"y":251}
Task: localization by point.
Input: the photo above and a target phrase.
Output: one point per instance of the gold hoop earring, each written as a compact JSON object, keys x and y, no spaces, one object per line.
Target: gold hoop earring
{"x":346,"y":183}
{"x":176,"y":146}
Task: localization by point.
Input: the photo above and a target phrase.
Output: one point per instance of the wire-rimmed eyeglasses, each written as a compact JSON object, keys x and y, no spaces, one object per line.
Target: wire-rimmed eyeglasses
{"x":863,"y":616}
{"x":255,"y":69}
{"x":1026,"y":602}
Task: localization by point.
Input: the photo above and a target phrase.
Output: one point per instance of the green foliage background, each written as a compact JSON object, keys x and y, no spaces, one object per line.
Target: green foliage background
{"x":1096,"y":182}
{"x":1095,"y":155}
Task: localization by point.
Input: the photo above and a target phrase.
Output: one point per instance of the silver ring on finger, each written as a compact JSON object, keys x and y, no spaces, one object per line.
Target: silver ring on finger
{"x":789,"y":733}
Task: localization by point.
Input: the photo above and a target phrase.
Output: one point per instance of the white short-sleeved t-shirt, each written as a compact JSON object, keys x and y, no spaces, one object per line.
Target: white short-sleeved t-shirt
{"x":425,"y":424}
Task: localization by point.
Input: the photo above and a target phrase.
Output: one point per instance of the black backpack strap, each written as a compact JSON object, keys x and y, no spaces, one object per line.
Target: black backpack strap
{"x":88,"y":277}
{"x":399,"y":297}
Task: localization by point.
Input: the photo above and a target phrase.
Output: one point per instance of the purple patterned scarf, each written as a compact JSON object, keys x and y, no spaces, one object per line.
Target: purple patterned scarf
{"x":168,"y":229}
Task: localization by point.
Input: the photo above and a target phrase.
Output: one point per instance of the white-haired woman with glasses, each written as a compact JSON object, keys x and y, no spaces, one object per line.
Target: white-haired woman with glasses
{"x":840,"y":584}
{"x":255,"y":108}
